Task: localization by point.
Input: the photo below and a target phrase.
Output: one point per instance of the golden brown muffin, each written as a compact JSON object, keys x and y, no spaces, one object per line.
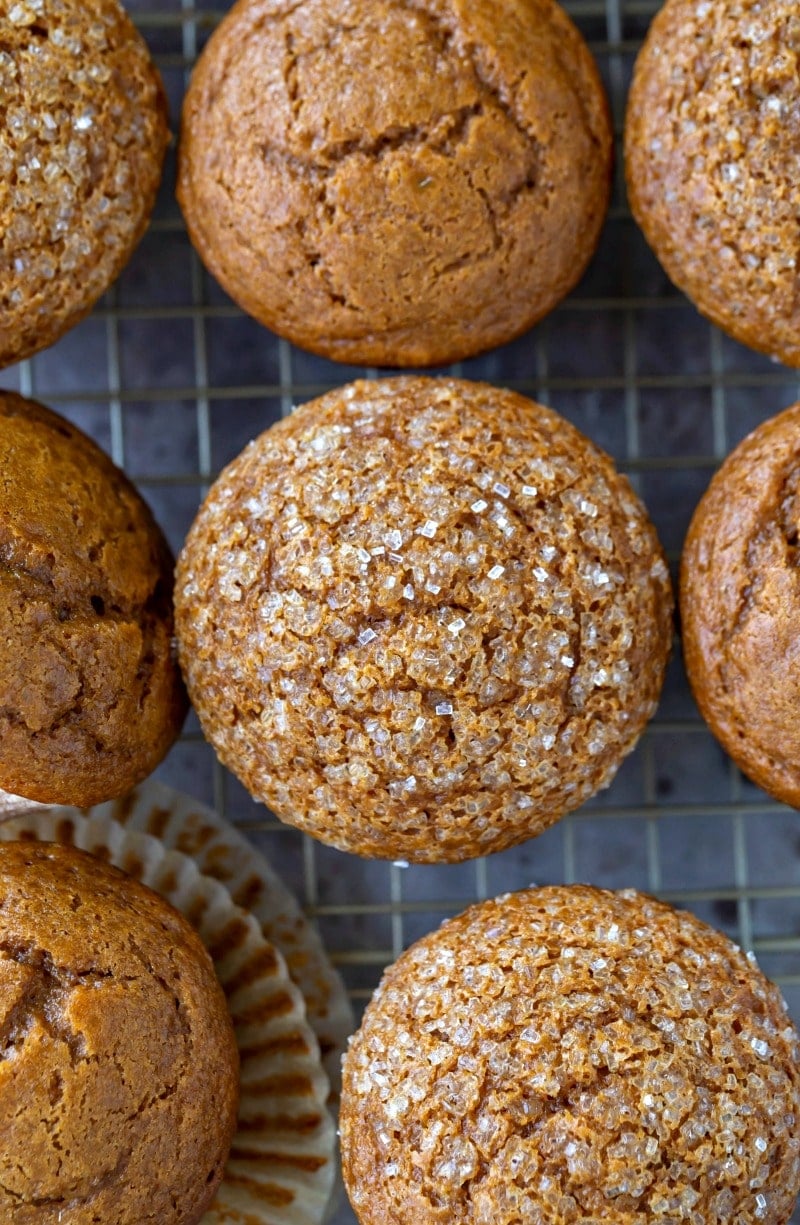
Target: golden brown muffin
{"x":569,"y":1055}
{"x":90,"y":695}
{"x":283,"y":1153}
{"x":740,"y":605}
{"x":423,"y":618}
{"x":81,"y":150}
{"x":396,"y":184}
{"x":713,"y":162}
{"x":118,"y":1064}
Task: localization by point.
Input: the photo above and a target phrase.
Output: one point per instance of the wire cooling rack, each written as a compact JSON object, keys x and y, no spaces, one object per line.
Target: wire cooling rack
{"x":173,"y":380}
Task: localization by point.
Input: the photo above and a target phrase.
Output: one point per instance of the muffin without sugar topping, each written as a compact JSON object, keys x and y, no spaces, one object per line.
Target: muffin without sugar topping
{"x":395,"y":183}
{"x":740,"y":603}
{"x":91,"y":697}
{"x":568,"y":1055}
{"x":423,"y":618}
{"x":118,"y":1062}
{"x":81,"y":148}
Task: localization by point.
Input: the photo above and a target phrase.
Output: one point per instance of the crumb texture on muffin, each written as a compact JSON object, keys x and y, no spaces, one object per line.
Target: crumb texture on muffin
{"x":571,"y":1055}
{"x":740,"y":604}
{"x":396,"y":183}
{"x":423,"y":618}
{"x":81,"y":148}
{"x":713,"y":162}
{"x":118,"y":1064}
{"x":91,"y":698}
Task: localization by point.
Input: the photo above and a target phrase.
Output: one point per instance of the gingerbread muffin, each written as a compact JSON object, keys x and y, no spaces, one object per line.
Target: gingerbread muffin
{"x":740,"y":604}
{"x":396,"y":184}
{"x":422,"y":618}
{"x":118,"y":1064}
{"x":81,"y":150}
{"x":90,"y":695}
{"x":713,"y":162}
{"x":571,"y":1055}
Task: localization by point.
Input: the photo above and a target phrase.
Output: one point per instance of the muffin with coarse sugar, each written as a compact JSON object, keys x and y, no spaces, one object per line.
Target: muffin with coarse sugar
{"x":393,"y":184}
{"x":81,"y":149}
{"x":569,"y":1055}
{"x":740,"y":604}
{"x":713,"y":162}
{"x":423,"y":618}
{"x":118,"y":1062}
{"x":91,"y":697}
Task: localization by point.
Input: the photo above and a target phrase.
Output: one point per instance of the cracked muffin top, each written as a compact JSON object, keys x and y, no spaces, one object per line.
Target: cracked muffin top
{"x":740,"y":605}
{"x":90,"y":695}
{"x":392,"y":182}
{"x":81,"y":149}
{"x":423,"y":618}
{"x":712,"y":149}
{"x":118,"y":1064}
{"x":569,"y":1055}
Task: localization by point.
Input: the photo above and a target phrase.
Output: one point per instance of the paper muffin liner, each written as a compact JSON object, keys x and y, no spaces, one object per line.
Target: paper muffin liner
{"x":282,"y":1167}
{"x":220,"y":851}
{"x":14,"y":805}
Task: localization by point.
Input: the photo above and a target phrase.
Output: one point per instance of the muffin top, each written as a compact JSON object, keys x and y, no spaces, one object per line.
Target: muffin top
{"x":423,"y":618}
{"x":572,"y":1055}
{"x":740,"y":603}
{"x":118,"y":1064}
{"x":396,"y":184}
{"x":712,"y":148}
{"x":81,"y":149}
{"x":92,"y":698}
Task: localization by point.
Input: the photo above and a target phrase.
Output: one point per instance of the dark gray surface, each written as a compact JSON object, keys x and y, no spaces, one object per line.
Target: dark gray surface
{"x":172,"y":380}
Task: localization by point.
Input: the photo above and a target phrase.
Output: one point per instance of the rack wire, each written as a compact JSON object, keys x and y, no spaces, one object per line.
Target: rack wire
{"x":173,"y":380}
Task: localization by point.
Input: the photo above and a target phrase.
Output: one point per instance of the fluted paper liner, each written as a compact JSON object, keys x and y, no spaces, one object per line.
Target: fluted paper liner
{"x":15,"y":805}
{"x":281,"y":1169}
{"x":220,"y":851}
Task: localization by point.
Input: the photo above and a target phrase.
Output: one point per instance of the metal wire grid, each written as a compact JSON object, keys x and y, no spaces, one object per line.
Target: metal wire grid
{"x":629,"y":362}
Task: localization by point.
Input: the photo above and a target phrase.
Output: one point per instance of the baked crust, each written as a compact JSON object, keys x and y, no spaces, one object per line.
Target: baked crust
{"x":422,"y":618}
{"x":81,"y":152}
{"x":712,"y":160}
{"x":91,"y":697}
{"x":118,"y":1063}
{"x":572,"y":1055}
{"x":740,"y":603}
{"x":396,"y":183}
